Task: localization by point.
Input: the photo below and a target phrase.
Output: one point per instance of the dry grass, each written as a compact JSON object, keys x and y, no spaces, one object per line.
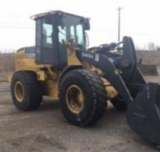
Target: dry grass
{"x":7,"y":65}
{"x":4,"y":76}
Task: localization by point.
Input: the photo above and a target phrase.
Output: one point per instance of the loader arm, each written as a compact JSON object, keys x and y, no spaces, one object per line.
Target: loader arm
{"x":119,"y":69}
{"x":125,"y":60}
{"x":110,"y":72}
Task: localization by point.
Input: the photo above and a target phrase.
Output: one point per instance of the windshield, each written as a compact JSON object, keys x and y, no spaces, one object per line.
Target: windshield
{"x":71,"y":27}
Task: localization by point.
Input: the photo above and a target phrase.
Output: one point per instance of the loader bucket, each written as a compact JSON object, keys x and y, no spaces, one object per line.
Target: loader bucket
{"x":143,"y":114}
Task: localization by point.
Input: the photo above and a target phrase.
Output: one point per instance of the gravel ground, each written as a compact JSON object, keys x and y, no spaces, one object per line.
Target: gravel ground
{"x":46,"y":130}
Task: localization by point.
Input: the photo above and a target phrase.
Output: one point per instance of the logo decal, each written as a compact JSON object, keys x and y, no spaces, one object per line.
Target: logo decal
{"x":87,"y":55}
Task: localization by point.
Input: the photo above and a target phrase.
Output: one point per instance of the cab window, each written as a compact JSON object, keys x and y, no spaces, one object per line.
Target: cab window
{"x":47,"y":32}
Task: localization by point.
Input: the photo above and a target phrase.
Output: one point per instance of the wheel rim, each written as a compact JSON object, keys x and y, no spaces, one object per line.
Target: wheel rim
{"x":75,"y":99}
{"x":19,"y":91}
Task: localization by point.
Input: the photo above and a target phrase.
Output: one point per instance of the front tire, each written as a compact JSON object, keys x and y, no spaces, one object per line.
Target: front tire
{"x":82,"y":97}
{"x":26,"y":91}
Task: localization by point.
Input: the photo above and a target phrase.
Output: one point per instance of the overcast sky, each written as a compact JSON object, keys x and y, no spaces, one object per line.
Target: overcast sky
{"x":139,"y":19}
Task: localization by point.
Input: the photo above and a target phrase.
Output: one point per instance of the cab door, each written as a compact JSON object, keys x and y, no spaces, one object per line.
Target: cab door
{"x":46,"y":42}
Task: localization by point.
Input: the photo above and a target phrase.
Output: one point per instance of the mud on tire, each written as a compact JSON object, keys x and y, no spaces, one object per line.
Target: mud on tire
{"x":82,"y":97}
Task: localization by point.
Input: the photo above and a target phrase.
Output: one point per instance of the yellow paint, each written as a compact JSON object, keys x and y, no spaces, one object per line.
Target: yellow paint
{"x":111,"y":91}
{"x":50,"y":78}
{"x":51,"y":88}
{"x":45,"y":74}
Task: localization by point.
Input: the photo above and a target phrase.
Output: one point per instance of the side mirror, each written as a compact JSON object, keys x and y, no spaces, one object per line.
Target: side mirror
{"x":86,"y":24}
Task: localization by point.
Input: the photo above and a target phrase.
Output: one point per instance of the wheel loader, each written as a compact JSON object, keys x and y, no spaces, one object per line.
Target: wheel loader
{"x":84,"y":80}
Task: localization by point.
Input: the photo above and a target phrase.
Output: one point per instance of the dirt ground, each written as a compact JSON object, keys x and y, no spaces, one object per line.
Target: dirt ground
{"x":46,"y":130}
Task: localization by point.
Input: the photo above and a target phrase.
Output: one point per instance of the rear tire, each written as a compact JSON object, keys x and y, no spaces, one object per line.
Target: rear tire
{"x":82,"y":97}
{"x":26,"y":91}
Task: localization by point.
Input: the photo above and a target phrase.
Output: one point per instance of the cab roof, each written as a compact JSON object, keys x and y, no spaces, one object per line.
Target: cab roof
{"x":40,"y":15}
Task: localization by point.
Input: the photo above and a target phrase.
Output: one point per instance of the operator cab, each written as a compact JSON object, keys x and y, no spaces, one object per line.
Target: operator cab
{"x":53,"y":30}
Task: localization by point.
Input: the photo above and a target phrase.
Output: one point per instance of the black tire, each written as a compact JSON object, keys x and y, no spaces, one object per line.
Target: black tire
{"x":94,"y":99}
{"x":119,"y":103}
{"x":26,"y":91}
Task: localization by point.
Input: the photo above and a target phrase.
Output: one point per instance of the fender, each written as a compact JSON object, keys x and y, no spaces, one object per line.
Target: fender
{"x":68,"y":69}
